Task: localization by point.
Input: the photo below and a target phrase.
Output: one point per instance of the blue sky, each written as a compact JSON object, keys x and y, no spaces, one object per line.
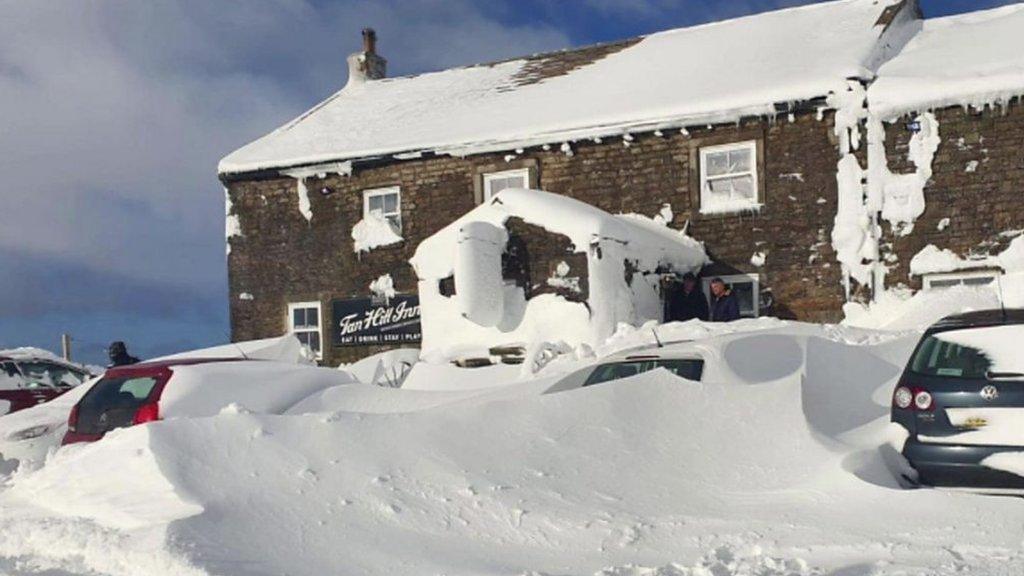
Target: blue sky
{"x":114,"y":115}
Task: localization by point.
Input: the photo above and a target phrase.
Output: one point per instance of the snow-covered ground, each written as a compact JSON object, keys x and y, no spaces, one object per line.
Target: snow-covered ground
{"x":773,"y":465}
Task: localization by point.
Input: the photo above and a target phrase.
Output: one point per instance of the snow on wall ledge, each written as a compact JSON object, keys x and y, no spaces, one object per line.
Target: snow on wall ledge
{"x":373,"y":231}
{"x":609,"y":242}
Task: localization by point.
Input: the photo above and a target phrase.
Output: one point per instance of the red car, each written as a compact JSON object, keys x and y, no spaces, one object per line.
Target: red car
{"x":125,"y":396}
{"x":27,"y":380}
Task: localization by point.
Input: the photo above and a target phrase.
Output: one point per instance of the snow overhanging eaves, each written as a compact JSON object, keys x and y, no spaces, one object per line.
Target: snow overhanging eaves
{"x":814,"y":99}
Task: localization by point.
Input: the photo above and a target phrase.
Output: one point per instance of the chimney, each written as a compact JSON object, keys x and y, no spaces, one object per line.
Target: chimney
{"x":366,"y":65}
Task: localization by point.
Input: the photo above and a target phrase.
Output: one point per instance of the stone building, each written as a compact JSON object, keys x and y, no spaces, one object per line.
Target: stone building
{"x":811,"y":150}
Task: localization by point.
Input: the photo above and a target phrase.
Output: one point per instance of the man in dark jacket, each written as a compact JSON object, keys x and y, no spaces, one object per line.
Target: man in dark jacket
{"x":687,"y":303}
{"x":119,"y":355}
{"x":724,"y":305}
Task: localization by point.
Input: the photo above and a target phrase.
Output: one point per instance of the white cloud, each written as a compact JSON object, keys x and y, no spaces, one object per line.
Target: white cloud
{"x":116,"y":113}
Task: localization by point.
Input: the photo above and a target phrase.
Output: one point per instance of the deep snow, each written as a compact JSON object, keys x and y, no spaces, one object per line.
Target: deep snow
{"x":773,"y":465}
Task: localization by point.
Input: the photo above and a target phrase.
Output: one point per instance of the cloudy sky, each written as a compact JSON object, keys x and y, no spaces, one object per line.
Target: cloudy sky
{"x":113,"y":115}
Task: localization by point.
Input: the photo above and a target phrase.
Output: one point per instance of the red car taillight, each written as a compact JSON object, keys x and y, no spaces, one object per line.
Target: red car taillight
{"x":918,"y":399}
{"x":73,"y":419}
{"x":922,"y":399}
{"x":146,"y":413}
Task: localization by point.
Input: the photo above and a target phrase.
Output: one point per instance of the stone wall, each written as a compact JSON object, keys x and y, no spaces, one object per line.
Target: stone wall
{"x":977,"y":183}
{"x":282,"y":258}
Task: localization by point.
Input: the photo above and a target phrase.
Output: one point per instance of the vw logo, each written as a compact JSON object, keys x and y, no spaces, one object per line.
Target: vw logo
{"x":990,"y":393}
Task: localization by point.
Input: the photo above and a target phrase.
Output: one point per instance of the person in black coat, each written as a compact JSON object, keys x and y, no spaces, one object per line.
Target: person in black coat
{"x":724,"y":305}
{"x":687,"y":303}
{"x":119,"y":355}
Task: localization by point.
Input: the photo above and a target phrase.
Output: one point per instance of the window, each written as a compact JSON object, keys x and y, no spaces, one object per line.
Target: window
{"x":970,"y":279}
{"x":690,"y":369}
{"x":304,"y":322}
{"x":728,"y":178}
{"x":497,"y":181}
{"x":746,"y":288}
{"x":385,"y":203}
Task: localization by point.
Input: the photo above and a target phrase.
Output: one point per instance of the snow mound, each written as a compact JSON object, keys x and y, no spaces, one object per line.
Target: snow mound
{"x":722,"y":477}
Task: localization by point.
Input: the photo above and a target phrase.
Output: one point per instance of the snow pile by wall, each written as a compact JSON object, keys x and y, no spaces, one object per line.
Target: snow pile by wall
{"x":900,"y":197}
{"x":471,"y":247}
{"x":932,"y":260}
{"x":373,"y":231}
{"x":383,"y":287}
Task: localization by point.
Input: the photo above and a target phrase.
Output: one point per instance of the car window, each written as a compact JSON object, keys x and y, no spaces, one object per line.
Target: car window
{"x":10,"y":378}
{"x":938,"y":357}
{"x":111,"y":392}
{"x":972,"y":353}
{"x":691,"y":369}
{"x":50,"y":374}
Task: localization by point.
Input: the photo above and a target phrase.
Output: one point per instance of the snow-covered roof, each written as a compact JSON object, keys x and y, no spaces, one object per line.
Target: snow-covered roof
{"x":578,"y":221}
{"x":704,"y":74}
{"x":969,"y":59}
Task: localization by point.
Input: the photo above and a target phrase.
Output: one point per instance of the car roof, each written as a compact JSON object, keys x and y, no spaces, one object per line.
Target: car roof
{"x":670,"y":351}
{"x":159,"y":365}
{"x":979,"y":319}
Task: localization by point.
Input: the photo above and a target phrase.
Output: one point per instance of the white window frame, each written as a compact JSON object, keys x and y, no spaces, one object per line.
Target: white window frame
{"x":292,"y":307}
{"x":928,"y":279}
{"x":490,"y":177}
{"x":387,"y":191}
{"x":753,"y":279}
{"x":750,"y":145}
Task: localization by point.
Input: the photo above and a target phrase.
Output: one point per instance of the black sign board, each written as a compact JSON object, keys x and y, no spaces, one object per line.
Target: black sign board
{"x":372,"y":321}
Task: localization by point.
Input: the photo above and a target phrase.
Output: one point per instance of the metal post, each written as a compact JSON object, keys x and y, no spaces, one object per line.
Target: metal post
{"x":65,"y":346}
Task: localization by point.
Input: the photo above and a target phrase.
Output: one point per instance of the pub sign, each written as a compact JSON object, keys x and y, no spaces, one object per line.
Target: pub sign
{"x":373,"y":321}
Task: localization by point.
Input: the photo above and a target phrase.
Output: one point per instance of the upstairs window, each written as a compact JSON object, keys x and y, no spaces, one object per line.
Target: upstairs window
{"x":497,"y":181}
{"x":728,"y":178}
{"x":386,"y":204}
{"x":304,"y":322}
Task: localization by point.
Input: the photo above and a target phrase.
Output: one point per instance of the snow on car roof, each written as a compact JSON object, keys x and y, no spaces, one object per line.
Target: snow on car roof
{"x":712,"y":73}
{"x":968,"y":59}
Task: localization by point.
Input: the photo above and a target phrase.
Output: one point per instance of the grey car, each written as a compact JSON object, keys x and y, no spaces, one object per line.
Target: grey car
{"x":961,"y":377}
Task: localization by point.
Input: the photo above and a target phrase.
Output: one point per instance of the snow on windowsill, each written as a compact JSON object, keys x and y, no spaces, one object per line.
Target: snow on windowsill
{"x":373,"y":232}
{"x":724,"y":208}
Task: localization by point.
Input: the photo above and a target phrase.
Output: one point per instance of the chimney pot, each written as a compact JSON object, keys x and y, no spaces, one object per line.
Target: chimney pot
{"x":367,"y":65}
{"x":369,"y":41}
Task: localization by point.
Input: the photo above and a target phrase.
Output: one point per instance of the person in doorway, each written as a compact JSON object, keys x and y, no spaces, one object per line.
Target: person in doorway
{"x":688,"y":303}
{"x":724,"y":305}
{"x":119,"y":355}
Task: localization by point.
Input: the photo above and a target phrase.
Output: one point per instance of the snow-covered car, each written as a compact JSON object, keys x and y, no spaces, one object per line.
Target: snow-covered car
{"x":961,"y":400}
{"x":197,"y":387}
{"x":28,"y":378}
{"x":683,"y":361}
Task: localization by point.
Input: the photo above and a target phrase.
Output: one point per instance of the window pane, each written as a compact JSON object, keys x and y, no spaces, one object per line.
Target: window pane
{"x":390,"y":203}
{"x":610,"y":372}
{"x":396,"y":224}
{"x":314,"y":342}
{"x":743,"y":188}
{"x":312,"y":317}
{"x":739,"y":161}
{"x":947,"y":283}
{"x":720,"y":189}
{"x":375,"y":204}
{"x":717,"y":163}
{"x":978,"y":281}
{"x":298,"y":317}
{"x":744,"y":292}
